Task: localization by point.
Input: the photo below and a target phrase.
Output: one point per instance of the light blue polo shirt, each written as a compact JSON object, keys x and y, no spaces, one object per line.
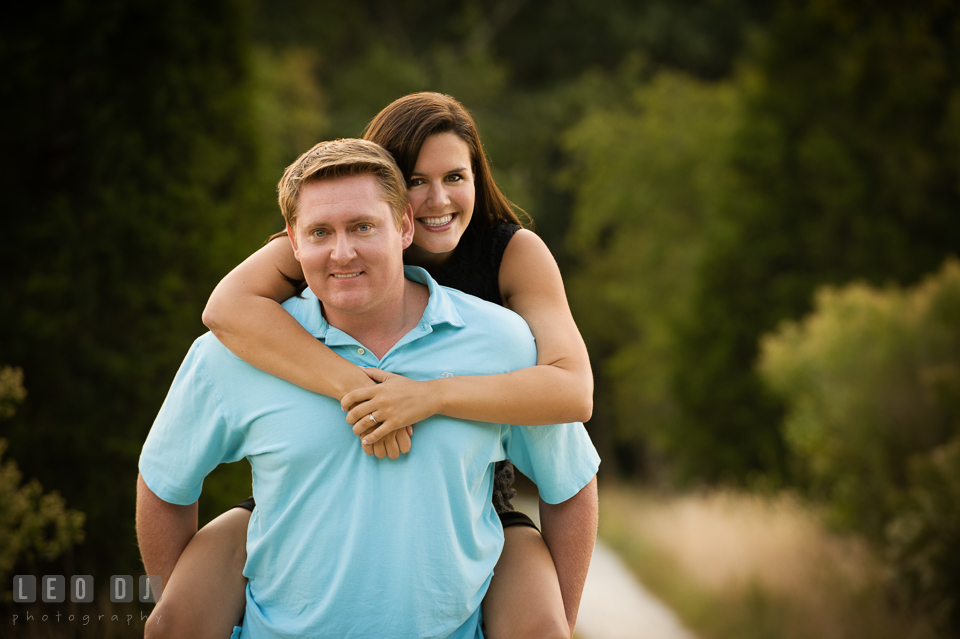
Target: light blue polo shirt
{"x":342,"y":544}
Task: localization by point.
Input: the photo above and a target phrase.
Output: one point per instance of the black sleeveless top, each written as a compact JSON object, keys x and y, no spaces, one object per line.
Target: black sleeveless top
{"x":474,"y":266}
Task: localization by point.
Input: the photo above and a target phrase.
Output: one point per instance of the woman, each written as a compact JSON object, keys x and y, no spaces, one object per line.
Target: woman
{"x":468,"y":237}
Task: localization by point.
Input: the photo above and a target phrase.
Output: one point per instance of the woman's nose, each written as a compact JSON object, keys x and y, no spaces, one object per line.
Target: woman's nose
{"x":438,"y":196}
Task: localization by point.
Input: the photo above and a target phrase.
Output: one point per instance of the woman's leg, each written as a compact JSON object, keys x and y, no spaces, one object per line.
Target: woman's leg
{"x":206,"y":593}
{"x":524,"y":597}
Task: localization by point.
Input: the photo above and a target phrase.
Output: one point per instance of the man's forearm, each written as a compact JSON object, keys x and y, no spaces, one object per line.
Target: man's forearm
{"x":570,"y":530}
{"x":163,"y":530}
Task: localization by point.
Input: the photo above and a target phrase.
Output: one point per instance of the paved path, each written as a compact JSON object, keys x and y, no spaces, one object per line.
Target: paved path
{"x":614,"y":604}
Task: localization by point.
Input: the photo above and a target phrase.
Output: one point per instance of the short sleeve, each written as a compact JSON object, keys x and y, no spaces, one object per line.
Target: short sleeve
{"x":560,"y":459}
{"x":190,"y":435}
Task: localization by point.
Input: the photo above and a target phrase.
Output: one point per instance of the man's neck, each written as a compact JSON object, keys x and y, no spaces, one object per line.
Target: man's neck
{"x":380,"y":331}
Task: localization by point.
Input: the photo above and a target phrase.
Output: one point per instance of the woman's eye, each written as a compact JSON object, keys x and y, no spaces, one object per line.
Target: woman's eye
{"x":414,"y":182}
{"x":455,"y":177}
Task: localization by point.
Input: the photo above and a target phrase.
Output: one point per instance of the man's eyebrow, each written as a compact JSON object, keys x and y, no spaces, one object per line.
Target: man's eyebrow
{"x":365,"y":217}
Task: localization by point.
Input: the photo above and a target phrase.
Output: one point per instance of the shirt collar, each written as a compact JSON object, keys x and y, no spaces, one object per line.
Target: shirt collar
{"x":440,"y":310}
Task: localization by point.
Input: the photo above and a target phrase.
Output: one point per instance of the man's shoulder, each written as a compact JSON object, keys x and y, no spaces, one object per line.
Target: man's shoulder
{"x":209,"y":357}
{"x":481,"y":314}
{"x":493,"y":338}
{"x":305,"y":308}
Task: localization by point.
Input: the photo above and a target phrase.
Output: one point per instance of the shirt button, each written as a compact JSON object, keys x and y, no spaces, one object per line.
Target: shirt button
{"x":360,"y":351}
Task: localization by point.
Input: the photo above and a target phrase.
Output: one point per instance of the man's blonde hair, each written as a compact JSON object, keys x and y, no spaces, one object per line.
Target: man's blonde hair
{"x":342,"y":158}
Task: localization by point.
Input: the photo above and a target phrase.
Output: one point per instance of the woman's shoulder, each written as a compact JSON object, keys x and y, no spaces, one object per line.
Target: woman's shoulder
{"x":525,"y":245}
{"x":502,"y":231}
{"x":528,"y":268}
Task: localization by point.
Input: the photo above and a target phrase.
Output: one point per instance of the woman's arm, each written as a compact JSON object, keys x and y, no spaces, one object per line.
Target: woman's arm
{"x":558,"y":389}
{"x":244,"y":313}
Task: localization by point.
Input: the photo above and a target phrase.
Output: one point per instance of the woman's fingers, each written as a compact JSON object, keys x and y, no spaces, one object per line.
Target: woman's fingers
{"x":383,"y":430}
{"x":367,"y":448}
{"x":358,"y":396}
{"x":378,"y":375}
{"x":359,"y":417}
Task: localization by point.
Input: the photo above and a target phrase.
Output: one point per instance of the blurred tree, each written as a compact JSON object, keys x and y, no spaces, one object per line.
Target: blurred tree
{"x":547,"y":42}
{"x":924,"y":538}
{"x":131,"y":183}
{"x":33,"y":525}
{"x":527,"y":70}
{"x":870,"y":379}
{"x":846,"y":167}
{"x":289,"y":104}
{"x":645,"y":173}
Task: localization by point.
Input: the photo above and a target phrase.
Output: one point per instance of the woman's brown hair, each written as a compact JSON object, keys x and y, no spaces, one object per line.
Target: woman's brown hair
{"x":403,"y":126}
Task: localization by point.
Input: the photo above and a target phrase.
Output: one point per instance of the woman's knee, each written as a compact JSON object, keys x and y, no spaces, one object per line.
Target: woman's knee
{"x":163,"y":622}
{"x":524,"y":599}
{"x":205,"y":595}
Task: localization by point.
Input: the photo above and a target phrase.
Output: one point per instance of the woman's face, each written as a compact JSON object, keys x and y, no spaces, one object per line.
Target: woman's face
{"x":442,"y":193}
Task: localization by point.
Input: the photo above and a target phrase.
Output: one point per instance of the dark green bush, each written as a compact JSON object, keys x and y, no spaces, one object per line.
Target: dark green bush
{"x":924,"y":537}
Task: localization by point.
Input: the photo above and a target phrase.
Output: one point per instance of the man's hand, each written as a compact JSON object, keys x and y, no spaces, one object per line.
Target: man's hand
{"x":395,"y":401}
{"x":570,"y":531}
{"x":395,"y":443}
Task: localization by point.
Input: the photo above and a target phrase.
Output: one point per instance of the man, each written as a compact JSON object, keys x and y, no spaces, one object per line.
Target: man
{"x":343,"y":544}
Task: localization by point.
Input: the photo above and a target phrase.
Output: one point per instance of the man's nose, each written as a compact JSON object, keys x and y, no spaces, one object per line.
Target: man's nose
{"x":343,"y":249}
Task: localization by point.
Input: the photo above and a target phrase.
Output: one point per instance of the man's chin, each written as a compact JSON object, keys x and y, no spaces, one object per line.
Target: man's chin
{"x":346,"y":302}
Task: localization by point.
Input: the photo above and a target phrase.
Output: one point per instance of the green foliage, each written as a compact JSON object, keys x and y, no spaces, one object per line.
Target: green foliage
{"x":12,"y":391}
{"x":924,"y":537}
{"x":870,"y":379}
{"x":645,"y":177}
{"x":846,"y":165}
{"x":133,"y":183}
{"x":33,"y":525}
{"x":289,"y":104}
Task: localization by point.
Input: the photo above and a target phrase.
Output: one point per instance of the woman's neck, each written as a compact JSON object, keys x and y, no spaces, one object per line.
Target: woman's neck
{"x":416,"y":256}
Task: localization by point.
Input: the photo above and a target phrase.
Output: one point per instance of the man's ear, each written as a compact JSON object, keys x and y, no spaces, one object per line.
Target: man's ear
{"x":406,"y":227}
{"x":293,"y":242}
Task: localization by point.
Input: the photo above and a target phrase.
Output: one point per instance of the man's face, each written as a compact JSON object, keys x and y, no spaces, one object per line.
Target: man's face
{"x":349,"y":246}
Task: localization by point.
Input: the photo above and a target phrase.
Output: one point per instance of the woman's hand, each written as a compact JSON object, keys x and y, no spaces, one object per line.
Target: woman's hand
{"x":395,"y":402}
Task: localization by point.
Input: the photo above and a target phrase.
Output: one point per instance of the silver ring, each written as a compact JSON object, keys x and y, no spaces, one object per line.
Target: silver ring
{"x":373,"y":419}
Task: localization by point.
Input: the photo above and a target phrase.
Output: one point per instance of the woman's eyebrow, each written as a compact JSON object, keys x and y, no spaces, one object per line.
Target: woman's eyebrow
{"x":457,"y":170}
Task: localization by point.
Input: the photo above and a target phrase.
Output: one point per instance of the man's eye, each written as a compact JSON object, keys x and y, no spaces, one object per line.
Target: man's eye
{"x":319,"y":233}
{"x":364,"y":227}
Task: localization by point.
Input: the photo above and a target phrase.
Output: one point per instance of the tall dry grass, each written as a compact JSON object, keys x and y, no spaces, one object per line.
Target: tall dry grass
{"x":739,"y":565}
